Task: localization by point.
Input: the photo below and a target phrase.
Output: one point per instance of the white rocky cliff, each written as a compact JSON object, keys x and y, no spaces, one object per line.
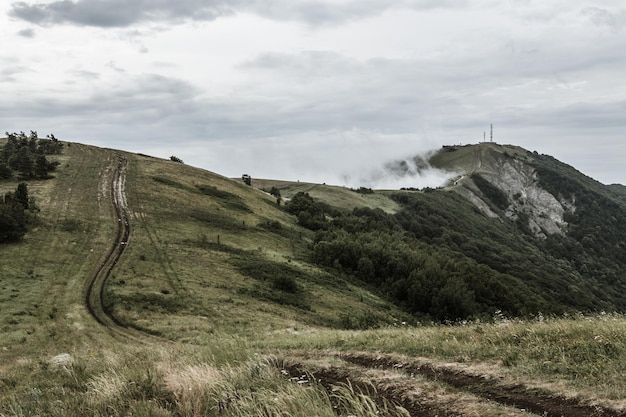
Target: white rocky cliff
{"x":527,"y":200}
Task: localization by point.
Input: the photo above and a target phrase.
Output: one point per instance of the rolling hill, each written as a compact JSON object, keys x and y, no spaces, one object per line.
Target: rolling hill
{"x":139,"y":269}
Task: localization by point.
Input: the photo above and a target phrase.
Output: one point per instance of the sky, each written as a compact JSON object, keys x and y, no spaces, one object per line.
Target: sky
{"x":320,"y":90}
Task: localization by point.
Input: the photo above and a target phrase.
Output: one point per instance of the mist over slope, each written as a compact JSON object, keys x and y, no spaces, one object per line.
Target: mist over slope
{"x":512,"y":231}
{"x":410,"y":172}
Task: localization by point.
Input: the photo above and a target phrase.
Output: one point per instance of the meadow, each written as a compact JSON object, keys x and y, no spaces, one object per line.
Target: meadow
{"x":234,"y":319}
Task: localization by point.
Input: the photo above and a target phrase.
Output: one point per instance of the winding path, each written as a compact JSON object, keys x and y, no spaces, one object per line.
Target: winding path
{"x":94,"y":296}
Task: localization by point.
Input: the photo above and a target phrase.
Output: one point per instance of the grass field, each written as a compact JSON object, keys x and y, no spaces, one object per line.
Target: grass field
{"x":217,"y":278}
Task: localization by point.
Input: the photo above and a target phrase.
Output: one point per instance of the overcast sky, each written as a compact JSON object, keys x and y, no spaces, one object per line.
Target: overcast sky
{"x":319,"y":90}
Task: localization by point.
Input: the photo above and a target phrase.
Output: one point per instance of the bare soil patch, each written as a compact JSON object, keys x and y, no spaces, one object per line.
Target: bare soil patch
{"x":429,"y":390}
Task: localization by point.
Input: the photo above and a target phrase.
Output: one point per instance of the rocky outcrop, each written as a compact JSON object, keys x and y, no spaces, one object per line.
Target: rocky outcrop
{"x":528,"y":202}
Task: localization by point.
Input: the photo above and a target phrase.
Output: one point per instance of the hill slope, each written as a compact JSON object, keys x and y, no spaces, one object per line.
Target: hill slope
{"x":515,"y":233}
{"x":218,"y":294}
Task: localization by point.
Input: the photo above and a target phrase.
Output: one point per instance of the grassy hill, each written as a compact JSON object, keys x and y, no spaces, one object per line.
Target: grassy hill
{"x":220,"y":302}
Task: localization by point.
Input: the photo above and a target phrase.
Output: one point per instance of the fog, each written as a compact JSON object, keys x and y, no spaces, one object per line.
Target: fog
{"x":353,"y":159}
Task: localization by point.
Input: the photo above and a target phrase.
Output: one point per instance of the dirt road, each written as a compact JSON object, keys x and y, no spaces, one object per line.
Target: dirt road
{"x":428,"y":390}
{"x":94,"y":297}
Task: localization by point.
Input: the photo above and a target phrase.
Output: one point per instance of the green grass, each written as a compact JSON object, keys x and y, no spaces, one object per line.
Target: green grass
{"x":223,"y":278}
{"x":338,"y":197}
{"x":587,"y":354}
{"x":159,"y":384}
{"x":583,"y":355}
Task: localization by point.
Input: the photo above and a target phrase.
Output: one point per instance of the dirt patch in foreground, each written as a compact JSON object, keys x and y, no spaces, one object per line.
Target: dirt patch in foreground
{"x":429,"y":390}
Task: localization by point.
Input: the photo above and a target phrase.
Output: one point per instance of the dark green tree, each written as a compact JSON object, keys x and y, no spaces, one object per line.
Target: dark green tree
{"x":5,"y":171}
{"x":21,"y":195}
{"x":23,"y":162}
{"x":41,"y":167}
{"x":13,"y":219}
{"x":275,"y":192}
{"x":10,"y":229}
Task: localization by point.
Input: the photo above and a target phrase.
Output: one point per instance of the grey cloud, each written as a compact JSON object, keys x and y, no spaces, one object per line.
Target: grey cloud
{"x":329,"y":91}
{"x":593,"y":116}
{"x":305,"y":65}
{"x":9,"y":74}
{"x":26,"y":33}
{"x":320,"y":12}
{"x":615,"y":21}
{"x":118,"y":13}
{"x":321,"y":91}
{"x":317,"y":12}
{"x":123,"y":13}
{"x":142,"y":99}
{"x":591,"y":121}
{"x":86,"y":75}
{"x":113,"y":65}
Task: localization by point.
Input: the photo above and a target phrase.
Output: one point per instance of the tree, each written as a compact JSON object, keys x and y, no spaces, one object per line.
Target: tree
{"x":275,"y":192}
{"x":21,"y":195}
{"x":5,"y":171}
{"x":13,"y":217}
{"x":41,"y":167}
{"x":33,"y":141}
{"x":24,"y":162}
{"x":10,"y":230}
{"x":303,"y":202}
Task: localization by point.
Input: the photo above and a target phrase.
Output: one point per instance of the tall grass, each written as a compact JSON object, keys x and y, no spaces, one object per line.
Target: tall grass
{"x":163,"y":384}
{"x":585,"y":353}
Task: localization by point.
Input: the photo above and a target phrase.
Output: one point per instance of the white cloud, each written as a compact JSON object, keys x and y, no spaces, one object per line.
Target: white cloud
{"x":304,"y":86}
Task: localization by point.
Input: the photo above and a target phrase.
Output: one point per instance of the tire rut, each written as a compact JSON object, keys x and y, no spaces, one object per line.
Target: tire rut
{"x":539,"y":402}
{"x":382,"y":393}
{"x":94,"y":297}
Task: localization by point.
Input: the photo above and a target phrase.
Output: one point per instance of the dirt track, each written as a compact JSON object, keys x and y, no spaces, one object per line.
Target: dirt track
{"x":456,"y":392}
{"x":94,"y":296}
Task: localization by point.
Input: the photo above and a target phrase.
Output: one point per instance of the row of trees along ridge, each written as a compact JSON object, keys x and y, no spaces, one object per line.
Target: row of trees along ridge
{"x":26,"y":154}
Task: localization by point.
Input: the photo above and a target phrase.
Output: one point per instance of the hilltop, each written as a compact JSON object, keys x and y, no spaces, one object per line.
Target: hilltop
{"x":513,"y":231}
{"x":140,"y":269}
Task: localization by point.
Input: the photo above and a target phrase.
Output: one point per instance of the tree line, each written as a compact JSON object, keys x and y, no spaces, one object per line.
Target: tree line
{"x":23,"y":156}
{"x":14,"y":214}
{"x":440,"y":258}
{"x":26,"y":155}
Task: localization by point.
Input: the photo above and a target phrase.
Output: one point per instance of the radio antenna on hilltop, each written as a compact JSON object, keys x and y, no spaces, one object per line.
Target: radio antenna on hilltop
{"x":492,"y":132}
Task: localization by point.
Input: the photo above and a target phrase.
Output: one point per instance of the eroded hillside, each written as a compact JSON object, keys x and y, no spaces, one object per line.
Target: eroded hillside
{"x":503,"y":183}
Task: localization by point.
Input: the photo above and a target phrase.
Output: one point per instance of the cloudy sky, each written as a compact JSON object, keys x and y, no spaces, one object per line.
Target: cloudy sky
{"x":319,"y":90}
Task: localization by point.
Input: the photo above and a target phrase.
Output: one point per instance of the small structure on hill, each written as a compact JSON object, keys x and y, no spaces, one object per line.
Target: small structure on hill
{"x":490,"y":136}
{"x":246,"y":179}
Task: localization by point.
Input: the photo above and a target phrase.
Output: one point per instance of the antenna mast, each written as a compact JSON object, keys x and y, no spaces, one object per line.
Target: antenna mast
{"x":492,"y":132}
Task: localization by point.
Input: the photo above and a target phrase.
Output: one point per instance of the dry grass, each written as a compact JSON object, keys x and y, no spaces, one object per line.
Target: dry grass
{"x":582,"y":355}
{"x":214,"y":325}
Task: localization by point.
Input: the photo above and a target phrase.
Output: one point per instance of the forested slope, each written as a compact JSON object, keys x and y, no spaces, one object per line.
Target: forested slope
{"x":446,"y":257}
